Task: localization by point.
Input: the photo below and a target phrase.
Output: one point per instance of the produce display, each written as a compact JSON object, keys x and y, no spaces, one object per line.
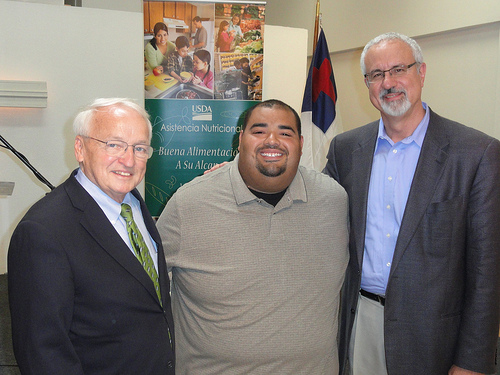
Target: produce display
{"x":250,"y":25}
{"x":250,"y":43}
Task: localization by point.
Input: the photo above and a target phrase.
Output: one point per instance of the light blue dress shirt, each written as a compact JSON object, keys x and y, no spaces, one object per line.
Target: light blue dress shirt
{"x":112,"y":210}
{"x":391,"y":177}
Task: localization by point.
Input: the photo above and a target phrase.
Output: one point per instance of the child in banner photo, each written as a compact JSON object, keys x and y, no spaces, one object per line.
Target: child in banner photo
{"x":224,"y":37}
{"x":203,"y":76}
{"x":234,"y":25}
{"x":246,"y":77}
{"x":237,"y":64}
{"x":179,"y":63}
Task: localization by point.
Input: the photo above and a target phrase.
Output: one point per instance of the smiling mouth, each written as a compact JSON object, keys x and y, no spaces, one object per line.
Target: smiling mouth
{"x":121,"y":173}
{"x":271,"y":154}
{"x":391,"y":94}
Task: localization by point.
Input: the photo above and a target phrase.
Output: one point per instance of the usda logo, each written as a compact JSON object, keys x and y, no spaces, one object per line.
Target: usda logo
{"x":202,"y":112}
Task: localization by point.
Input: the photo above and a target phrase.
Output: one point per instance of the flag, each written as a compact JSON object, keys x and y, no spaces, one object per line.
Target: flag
{"x":320,"y":120}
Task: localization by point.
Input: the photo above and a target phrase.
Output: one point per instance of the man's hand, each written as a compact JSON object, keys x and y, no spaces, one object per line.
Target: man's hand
{"x":455,"y":370}
{"x":216,"y":166}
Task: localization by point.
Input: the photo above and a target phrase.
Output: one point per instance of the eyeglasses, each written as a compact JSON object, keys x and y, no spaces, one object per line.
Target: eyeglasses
{"x":118,"y":149}
{"x":396,"y":71}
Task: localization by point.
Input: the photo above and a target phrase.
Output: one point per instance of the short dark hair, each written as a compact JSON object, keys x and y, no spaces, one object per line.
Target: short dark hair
{"x":270,"y":103}
{"x":197,"y":19}
{"x":181,"y":42}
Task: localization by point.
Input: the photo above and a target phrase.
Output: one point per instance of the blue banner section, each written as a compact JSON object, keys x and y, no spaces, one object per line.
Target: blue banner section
{"x":189,"y":137}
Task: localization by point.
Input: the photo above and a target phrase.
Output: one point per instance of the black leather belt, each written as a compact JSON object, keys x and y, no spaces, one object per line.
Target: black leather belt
{"x":373,"y":296}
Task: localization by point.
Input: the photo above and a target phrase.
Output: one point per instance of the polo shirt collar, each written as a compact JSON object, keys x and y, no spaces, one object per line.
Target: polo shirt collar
{"x":296,"y":190}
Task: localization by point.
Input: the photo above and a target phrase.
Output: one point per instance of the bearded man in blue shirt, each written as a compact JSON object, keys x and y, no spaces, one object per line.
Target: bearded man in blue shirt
{"x":421,"y":294}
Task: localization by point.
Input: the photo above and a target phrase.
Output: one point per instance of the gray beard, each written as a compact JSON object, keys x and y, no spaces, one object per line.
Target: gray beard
{"x":397,"y":108}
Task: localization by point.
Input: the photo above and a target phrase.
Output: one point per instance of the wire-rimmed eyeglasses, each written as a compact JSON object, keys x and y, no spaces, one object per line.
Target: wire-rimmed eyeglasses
{"x":118,"y":148}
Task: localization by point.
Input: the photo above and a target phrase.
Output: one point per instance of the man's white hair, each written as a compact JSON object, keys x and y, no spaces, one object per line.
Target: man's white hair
{"x":83,"y":121}
{"x":415,"y":48}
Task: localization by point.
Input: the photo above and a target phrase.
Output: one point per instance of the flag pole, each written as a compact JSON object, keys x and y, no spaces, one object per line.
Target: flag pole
{"x":316,"y":27}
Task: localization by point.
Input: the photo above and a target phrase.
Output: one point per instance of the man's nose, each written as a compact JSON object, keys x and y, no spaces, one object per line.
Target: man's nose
{"x":388,"y":80}
{"x":128,"y":157}
{"x":272,"y":139}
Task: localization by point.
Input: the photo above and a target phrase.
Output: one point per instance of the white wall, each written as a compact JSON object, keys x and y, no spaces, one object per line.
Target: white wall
{"x":82,"y":54}
{"x":52,"y":2}
{"x":350,"y":24}
{"x":285,"y":73}
{"x":126,"y":5}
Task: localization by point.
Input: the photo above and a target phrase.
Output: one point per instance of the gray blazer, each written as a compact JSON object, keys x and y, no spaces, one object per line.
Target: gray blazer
{"x":442,"y":298}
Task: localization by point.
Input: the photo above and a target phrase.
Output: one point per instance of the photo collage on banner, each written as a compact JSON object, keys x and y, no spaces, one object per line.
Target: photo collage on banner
{"x":203,"y":65}
{"x":203,"y":50}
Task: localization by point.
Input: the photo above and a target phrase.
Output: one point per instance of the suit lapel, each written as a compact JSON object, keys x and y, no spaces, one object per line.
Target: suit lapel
{"x":362,"y":158}
{"x":102,"y":231}
{"x":430,"y":166}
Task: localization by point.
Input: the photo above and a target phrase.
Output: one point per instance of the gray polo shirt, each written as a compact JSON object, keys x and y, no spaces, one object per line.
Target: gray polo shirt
{"x":256,"y":288}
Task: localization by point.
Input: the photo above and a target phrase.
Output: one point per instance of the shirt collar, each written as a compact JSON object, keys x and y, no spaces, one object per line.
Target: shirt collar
{"x":417,"y":136}
{"x":296,"y":190}
{"x":110,"y":207}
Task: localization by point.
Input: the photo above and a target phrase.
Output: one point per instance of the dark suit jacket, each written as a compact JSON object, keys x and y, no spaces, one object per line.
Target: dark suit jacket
{"x":442,"y":298}
{"x":80,"y":301}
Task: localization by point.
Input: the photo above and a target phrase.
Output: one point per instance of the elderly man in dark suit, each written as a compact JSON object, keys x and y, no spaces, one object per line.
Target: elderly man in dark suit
{"x":421,"y":295}
{"x":88,"y":286}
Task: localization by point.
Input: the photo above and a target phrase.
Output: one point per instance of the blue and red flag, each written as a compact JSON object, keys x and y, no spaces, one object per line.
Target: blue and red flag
{"x":319,"y":108}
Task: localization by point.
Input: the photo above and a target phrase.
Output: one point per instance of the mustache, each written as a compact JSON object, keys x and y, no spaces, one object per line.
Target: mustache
{"x":392,"y":90}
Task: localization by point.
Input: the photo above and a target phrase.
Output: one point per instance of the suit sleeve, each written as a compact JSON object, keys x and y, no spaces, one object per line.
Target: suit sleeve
{"x":41,"y":293}
{"x":480,"y":319}
{"x":331,"y":167}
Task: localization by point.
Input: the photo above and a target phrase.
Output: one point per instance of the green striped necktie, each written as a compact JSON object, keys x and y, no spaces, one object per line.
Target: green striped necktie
{"x":139,"y":246}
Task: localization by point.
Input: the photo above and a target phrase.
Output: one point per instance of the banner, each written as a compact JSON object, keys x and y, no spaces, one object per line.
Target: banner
{"x":203,"y":65}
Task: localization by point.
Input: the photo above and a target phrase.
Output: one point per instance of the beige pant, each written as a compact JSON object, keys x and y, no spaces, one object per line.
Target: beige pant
{"x":366,"y":349}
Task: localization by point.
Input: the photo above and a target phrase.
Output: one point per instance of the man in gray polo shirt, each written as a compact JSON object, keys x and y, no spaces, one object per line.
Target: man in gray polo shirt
{"x":258,"y":252}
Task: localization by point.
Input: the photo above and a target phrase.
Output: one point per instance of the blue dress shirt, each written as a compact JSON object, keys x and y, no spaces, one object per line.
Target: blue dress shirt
{"x":390,"y":181}
{"x":112,"y":210}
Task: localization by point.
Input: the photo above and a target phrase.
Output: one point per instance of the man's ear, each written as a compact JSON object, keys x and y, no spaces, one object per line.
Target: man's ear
{"x":79,"y":148}
{"x":421,"y":71}
{"x":239,"y":140}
